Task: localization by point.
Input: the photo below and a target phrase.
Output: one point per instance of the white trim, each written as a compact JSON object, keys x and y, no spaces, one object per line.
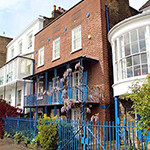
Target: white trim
{"x":73,"y":32}
{"x":54,"y":49}
{"x":41,"y":52}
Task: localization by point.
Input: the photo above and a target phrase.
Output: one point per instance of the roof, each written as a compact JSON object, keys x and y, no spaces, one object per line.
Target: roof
{"x":147,"y":4}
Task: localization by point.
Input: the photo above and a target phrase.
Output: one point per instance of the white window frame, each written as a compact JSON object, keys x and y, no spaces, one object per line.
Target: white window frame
{"x":30,"y":41}
{"x":41,"y":56}
{"x":120,"y":57}
{"x":20,"y":47}
{"x":55,"y":96}
{"x":76,"y":29}
{"x":56,"y":52}
{"x":12,"y":52}
{"x":19,"y":100}
{"x":76,"y":93}
{"x":75,"y":111}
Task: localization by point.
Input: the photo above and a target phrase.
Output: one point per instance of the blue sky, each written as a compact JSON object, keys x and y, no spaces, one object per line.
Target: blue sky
{"x":15,"y":15}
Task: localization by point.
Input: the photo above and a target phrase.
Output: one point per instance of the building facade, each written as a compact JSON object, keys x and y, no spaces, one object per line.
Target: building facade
{"x":131,"y":62}
{"x":3,"y":50}
{"x":78,"y":35}
{"x":19,"y":63}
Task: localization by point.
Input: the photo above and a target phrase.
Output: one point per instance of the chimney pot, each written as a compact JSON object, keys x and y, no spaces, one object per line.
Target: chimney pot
{"x":59,"y":9}
{"x":54,"y":7}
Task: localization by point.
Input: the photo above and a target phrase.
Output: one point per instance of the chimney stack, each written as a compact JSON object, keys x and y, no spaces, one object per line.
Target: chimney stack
{"x":59,"y":9}
{"x":54,"y":7}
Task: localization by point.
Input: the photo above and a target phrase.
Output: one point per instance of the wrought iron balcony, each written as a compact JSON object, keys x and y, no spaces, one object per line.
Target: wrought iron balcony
{"x":56,"y":97}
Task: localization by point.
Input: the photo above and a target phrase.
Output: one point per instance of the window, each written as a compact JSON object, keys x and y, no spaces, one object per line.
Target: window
{"x":40,"y":87}
{"x":29,"y":41}
{"x":1,"y":80}
{"x":19,"y":98}
{"x":41,"y":57}
{"x":20,"y":47}
{"x":76,"y":38}
{"x":12,"y":52}
{"x":131,"y":60}
{"x":22,"y":69}
{"x":55,"y":95}
{"x":76,"y":83}
{"x":56,"y":49}
{"x":75,"y":114}
{"x":53,"y":112}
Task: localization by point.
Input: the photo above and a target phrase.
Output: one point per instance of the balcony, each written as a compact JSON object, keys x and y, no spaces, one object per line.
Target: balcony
{"x":16,"y":69}
{"x":56,"y":97}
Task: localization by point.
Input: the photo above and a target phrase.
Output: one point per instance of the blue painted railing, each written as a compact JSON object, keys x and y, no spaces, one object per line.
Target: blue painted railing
{"x":56,"y":98}
{"x":85,"y":135}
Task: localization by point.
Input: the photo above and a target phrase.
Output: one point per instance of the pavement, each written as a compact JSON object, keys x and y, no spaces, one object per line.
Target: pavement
{"x":8,"y":144}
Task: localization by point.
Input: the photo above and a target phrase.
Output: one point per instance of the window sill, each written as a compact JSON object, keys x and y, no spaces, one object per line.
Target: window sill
{"x":40,"y":66}
{"x":55,"y":59}
{"x":76,"y":50}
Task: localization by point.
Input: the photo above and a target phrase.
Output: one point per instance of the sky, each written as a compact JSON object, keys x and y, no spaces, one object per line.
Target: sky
{"x":15,"y":15}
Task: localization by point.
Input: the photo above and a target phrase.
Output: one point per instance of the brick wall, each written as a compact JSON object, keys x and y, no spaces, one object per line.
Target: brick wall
{"x":3,"y":50}
{"x":96,"y":47}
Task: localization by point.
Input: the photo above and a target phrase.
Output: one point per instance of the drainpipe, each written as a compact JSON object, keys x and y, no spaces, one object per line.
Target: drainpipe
{"x":107,"y":18}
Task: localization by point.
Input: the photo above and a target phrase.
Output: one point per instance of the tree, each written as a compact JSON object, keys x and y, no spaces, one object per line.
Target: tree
{"x":6,"y":110}
{"x":140,"y":96}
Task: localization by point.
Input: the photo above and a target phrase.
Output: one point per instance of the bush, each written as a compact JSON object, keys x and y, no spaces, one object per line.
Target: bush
{"x":48,"y":135}
{"x":18,"y":137}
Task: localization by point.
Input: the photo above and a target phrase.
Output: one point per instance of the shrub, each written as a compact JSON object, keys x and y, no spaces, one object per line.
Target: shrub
{"x":26,"y":140}
{"x":18,"y":137}
{"x":48,"y":135}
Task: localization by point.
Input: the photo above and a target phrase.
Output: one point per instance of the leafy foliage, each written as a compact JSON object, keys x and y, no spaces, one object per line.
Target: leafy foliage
{"x":18,"y":137}
{"x":48,"y":135}
{"x":140,"y":96}
{"x":6,"y":110}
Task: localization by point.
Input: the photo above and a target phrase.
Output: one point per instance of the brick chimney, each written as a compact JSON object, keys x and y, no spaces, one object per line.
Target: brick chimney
{"x":55,"y":12}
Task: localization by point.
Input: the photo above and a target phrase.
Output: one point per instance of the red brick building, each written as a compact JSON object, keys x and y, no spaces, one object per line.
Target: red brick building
{"x":78,"y":35}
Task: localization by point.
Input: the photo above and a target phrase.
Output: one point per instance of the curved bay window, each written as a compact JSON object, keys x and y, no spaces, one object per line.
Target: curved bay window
{"x":131,"y":55}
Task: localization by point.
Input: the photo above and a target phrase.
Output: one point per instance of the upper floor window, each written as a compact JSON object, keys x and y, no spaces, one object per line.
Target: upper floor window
{"x":41,"y":57}
{"x":20,"y":47}
{"x":30,"y":41}
{"x":12,"y":52}
{"x":56,"y":49}
{"x":131,"y":55}
{"x":76,"y":38}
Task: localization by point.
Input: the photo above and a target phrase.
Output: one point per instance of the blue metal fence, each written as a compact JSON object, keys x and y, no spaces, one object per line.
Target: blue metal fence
{"x":84,"y":135}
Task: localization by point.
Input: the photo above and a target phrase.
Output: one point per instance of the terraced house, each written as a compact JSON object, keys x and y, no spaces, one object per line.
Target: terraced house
{"x":130,"y":45}
{"x":20,"y":62}
{"x":78,"y":35}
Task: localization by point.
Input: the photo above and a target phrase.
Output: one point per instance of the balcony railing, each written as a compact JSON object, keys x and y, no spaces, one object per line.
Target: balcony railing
{"x":16,"y":69}
{"x":56,"y":97}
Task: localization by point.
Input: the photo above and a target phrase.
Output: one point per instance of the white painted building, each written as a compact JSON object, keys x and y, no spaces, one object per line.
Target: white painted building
{"x":19,"y":64}
{"x":130,"y":41}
